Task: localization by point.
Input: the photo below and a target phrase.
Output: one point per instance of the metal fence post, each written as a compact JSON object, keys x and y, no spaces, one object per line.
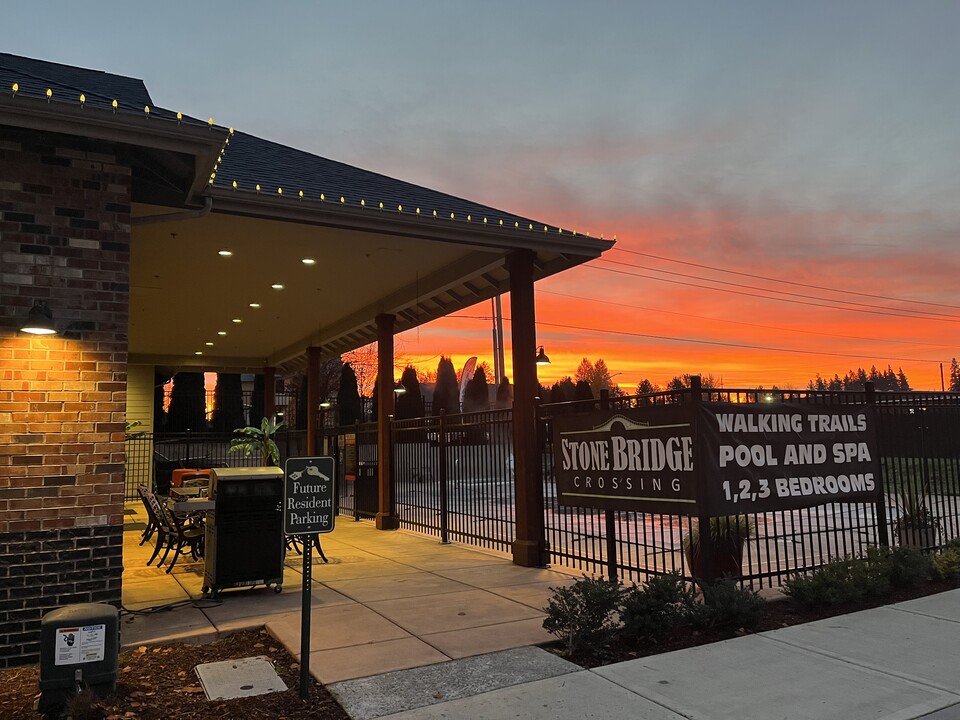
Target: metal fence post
{"x":609,"y":516}
{"x":883,"y":533}
{"x":442,"y":443}
{"x":704,"y":534}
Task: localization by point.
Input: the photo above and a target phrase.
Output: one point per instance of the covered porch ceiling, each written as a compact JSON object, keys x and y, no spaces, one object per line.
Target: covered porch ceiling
{"x":184,"y":294}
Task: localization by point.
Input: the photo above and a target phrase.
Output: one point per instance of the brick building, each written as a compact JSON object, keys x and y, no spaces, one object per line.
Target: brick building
{"x":112,"y":215}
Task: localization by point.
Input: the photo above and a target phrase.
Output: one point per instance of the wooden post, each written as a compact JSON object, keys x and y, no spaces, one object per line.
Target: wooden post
{"x":385,"y":405}
{"x":529,"y":548}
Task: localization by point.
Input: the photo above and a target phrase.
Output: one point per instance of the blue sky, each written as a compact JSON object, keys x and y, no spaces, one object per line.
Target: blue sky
{"x":812,"y":141}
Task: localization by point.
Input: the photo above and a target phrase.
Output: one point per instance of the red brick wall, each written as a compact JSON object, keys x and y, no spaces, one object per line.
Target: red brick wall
{"x":64,"y":238}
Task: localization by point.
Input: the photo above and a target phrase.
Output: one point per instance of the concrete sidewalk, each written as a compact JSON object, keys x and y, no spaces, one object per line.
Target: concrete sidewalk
{"x":403,"y":627}
{"x":897,"y":662}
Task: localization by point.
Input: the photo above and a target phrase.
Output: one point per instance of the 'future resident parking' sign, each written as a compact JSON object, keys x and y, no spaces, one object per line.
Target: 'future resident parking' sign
{"x":308,"y":495}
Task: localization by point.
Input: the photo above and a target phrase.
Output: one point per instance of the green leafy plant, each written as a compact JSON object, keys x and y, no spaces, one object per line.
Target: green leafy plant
{"x":914,"y":500}
{"x":903,"y":566}
{"x":947,"y":563}
{"x":651,"y":611}
{"x":728,"y":534}
{"x":249,"y":440}
{"x":583,"y":614}
{"x":726,"y":606}
{"x":840,"y":581}
{"x":131,"y":429}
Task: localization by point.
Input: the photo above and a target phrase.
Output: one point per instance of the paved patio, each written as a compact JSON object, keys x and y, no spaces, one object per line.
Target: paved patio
{"x":386,"y":601}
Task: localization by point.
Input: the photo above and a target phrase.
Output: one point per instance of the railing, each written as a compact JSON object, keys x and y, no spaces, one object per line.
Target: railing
{"x":152,"y":457}
{"x":453,"y":477}
{"x":919,"y":447}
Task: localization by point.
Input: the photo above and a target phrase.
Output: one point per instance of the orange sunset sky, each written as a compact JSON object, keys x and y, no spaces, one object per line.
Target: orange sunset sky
{"x":739,"y":152}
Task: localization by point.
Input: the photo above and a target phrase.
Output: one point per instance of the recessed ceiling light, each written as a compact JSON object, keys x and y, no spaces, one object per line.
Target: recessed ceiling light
{"x":199,"y":352}
{"x":221,"y":332}
{"x":209,"y":344}
{"x":277,"y":286}
{"x":225,"y":253}
{"x":237,"y":321}
{"x":255,"y":305}
{"x":309,"y":261}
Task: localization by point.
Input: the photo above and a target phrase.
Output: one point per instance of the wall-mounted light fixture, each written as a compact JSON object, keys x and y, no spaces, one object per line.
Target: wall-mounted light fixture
{"x":542,"y":358}
{"x":399,"y":389}
{"x":39,"y":320}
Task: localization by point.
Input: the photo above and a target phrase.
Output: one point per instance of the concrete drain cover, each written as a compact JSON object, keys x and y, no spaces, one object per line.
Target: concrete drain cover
{"x":239,"y":678}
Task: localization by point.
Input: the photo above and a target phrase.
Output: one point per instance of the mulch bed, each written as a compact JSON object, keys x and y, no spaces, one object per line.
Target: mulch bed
{"x":776,"y":614}
{"x":159,"y":683}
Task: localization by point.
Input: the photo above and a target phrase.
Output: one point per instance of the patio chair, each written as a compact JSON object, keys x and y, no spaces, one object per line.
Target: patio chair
{"x":151,"y":527}
{"x":173,"y":533}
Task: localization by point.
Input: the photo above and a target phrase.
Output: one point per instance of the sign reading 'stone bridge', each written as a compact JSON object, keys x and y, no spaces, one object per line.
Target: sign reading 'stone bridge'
{"x":717,"y":458}
{"x":626,"y":460}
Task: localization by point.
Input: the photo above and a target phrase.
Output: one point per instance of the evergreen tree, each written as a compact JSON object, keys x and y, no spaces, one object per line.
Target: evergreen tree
{"x":476,"y":396}
{"x":582,"y":391}
{"x":954,"y":376}
{"x":300,"y":411}
{"x":504,"y":394}
{"x":348,"y":397}
{"x":409,"y":403}
{"x":227,"y":403}
{"x":188,"y":408}
{"x":446,"y":393}
{"x":645,"y":387}
{"x":374,"y":400}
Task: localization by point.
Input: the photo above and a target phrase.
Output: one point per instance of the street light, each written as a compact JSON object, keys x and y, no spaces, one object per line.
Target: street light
{"x":542,"y":358}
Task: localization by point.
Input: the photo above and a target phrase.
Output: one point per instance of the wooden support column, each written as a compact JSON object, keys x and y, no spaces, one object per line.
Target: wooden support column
{"x":385,"y":407}
{"x":313,"y":400}
{"x":530,"y":547}
{"x":269,"y":392}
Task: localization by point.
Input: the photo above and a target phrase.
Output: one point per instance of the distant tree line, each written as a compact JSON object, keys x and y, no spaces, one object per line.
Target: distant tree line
{"x":856,"y":380}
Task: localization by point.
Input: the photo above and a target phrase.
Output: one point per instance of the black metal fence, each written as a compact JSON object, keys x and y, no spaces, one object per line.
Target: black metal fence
{"x":151,"y":458}
{"x":453,"y":478}
{"x":919,"y":443}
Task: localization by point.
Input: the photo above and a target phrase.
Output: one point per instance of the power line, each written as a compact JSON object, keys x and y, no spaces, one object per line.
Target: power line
{"x":939,"y":346}
{"x":781,"y":292}
{"x":767,"y":297}
{"x":782,"y":281}
{"x":720,"y":343}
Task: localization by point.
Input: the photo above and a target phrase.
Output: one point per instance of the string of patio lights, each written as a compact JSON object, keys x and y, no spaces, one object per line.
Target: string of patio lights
{"x":335,"y":201}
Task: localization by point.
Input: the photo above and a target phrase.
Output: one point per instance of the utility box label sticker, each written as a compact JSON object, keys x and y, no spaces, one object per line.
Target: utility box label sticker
{"x":77,"y":645}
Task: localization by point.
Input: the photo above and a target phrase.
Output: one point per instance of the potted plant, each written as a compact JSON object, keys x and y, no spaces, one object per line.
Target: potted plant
{"x":917,"y":526}
{"x":259,"y":439}
{"x":728,"y":533}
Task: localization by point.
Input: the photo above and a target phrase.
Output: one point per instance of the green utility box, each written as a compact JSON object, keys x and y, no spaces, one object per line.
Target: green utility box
{"x":79,"y":645}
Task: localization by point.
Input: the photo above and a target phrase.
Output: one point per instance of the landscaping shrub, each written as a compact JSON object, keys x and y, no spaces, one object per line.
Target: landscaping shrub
{"x":840,"y":581}
{"x":649,"y":612}
{"x":583,"y":614}
{"x":903,"y":566}
{"x":727,"y":606}
{"x":947,"y":564}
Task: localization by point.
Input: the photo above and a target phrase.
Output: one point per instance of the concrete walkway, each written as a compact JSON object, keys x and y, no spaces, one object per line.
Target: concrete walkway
{"x":405,"y":628}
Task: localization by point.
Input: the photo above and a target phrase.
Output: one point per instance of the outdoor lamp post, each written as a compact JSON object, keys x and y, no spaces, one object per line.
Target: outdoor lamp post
{"x":542,"y":358}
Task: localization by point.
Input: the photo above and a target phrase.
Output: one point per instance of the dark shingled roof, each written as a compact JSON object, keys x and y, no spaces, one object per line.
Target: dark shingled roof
{"x":249,"y":161}
{"x":68,"y":82}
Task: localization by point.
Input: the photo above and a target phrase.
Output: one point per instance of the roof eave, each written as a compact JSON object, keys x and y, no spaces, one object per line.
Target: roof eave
{"x":335,"y":215}
{"x":122,"y":127}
